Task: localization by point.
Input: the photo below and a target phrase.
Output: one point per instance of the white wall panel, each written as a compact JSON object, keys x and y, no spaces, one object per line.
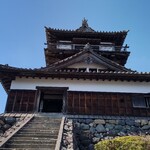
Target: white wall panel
{"x":83,"y":85}
{"x":85,"y":65}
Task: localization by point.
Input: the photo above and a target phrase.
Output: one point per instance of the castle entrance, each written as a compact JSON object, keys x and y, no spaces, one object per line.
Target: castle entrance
{"x":52,"y":100}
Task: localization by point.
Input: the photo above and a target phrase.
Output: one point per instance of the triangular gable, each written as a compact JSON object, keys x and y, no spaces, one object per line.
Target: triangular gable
{"x":85,"y":64}
{"x":88,"y":57}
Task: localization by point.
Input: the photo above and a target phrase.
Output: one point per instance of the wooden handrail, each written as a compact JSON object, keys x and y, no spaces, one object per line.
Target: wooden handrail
{"x":116,"y":48}
{"x":16,"y":127}
{"x":60,"y":134}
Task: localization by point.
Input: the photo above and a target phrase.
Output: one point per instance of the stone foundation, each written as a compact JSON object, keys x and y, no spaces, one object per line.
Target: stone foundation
{"x":86,"y":132}
{"x":6,"y":123}
{"x":69,"y":140}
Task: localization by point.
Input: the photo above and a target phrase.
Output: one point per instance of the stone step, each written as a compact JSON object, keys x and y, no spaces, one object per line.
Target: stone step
{"x":7,"y":145}
{"x":36,"y":135}
{"x":42,"y":128}
{"x":34,"y":141}
{"x":39,"y":130}
{"x":32,"y":138}
{"x":49,"y":115}
{"x":46,"y":120}
{"x":46,"y":123}
{"x":43,"y":124}
{"x":40,"y":133}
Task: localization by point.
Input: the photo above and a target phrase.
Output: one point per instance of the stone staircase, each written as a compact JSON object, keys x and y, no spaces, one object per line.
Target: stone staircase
{"x":38,"y":134}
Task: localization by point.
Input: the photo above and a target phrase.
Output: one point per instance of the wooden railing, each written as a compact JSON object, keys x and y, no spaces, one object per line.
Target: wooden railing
{"x":101,"y":47}
{"x":60,"y":134}
{"x":23,"y":119}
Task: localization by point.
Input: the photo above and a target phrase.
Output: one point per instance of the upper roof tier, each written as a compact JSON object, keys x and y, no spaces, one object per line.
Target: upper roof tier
{"x":85,"y":32}
{"x":65,"y":43}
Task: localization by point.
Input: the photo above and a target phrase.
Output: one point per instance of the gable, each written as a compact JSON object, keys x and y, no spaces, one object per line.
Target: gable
{"x":88,"y":65}
{"x":87,"y":58}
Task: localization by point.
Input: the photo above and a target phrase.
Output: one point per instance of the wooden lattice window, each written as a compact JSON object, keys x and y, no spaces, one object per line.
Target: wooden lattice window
{"x":141,"y":101}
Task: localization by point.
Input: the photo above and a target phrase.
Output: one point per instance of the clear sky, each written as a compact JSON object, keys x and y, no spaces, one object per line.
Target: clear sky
{"x":22,"y":33}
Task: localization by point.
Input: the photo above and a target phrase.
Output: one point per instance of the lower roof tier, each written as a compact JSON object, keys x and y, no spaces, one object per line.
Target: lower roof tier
{"x":7,"y":74}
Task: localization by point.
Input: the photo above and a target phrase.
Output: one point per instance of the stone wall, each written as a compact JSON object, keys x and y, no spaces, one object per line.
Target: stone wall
{"x":6,"y":123}
{"x":90,"y":131}
{"x":69,"y":140}
{"x":82,"y":133}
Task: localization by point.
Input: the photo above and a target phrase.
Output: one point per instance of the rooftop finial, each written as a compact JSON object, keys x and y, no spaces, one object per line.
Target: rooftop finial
{"x":85,"y":27}
{"x":87,"y":46}
{"x":84,"y":23}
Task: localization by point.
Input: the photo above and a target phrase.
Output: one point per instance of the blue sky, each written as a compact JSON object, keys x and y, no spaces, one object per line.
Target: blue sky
{"x":22,"y":34}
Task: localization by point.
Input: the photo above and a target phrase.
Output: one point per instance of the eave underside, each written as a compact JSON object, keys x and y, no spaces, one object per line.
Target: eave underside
{"x":7,"y":75}
{"x":114,"y":37}
{"x":54,"y":55}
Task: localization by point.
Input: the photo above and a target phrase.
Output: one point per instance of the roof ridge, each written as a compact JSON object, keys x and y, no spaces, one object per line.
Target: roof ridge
{"x":76,"y":30}
{"x":113,"y":62}
{"x":6,"y":66}
{"x":85,"y":50}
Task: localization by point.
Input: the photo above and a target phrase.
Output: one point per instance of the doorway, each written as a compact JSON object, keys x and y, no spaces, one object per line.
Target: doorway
{"x":52,"y":100}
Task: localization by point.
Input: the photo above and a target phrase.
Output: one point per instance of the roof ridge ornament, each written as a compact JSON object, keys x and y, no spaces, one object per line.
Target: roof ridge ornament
{"x":85,"y":27}
{"x":87,"y":46}
{"x":84,"y":23}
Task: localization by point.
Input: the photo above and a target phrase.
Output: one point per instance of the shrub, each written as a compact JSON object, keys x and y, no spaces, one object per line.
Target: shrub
{"x":125,"y":143}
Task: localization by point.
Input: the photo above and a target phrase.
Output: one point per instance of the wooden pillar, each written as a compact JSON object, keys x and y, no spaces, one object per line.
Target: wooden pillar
{"x":73,"y":103}
{"x":27,"y":103}
{"x":37,"y":101}
{"x":14,"y":103}
{"x":20,"y":104}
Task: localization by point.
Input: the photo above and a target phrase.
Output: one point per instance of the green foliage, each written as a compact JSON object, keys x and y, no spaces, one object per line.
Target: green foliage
{"x":125,"y":143}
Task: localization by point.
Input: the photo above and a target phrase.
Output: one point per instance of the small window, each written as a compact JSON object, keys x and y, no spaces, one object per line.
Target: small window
{"x":147,"y":99}
{"x":141,"y":101}
{"x":92,"y":70}
{"x":78,"y":47}
{"x":82,"y":69}
{"x":95,"y":47}
{"x":107,"y":48}
{"x":138,"y":101}
{"x":64,"y":45}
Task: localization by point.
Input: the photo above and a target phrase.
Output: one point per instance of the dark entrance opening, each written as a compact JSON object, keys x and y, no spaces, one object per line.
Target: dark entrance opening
{"x":51,"y":102}
{"x":52,"y":99}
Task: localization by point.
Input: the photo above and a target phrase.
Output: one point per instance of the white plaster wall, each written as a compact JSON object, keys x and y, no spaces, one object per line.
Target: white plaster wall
{"x":85,"y":65}
{"x":83,"y":85}
{"x":62,"y":46}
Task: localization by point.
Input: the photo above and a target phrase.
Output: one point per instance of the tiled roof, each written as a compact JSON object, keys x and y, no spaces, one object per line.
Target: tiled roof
{"x":76,"y":31}
{"x":8,"y":69}
{"x":116,"y":37}
{"x":8,"y":73}
{"x":60,"y":69}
